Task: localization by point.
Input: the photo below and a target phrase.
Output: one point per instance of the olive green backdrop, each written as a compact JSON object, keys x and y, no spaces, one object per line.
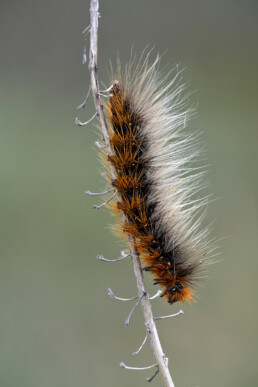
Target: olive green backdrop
{"x":58,"y":327}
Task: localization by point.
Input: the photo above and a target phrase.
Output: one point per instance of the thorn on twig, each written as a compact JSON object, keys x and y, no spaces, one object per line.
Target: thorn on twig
{"x":103,"y":92}
{"x":84,"y":52}
{"x":156,"y":295}
{"x":98,"y":193}
{"x":111,"y":295}
{"x":86,"y":30}
{"x":83,"y":104}
{"x":99,"y":145}
{"x":79,"y":123}
{"x":104,"y":95}
{"x":103,"y":204}
{"x":109,"y":88}
{"x":127,"y":321}
{"x":105,"y":178}
{"x":153,"y":376}
{"x":171,"y":315}
{"x":144,"y":341}
{"x":123,"y":365}
{"x":101,"y":258}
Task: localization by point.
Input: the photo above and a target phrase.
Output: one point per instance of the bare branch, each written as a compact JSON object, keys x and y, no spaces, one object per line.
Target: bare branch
{"x":150,"y":323}
{"x":162,"y":362}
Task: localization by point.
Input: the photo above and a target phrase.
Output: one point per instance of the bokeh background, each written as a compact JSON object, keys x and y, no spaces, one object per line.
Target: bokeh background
{"x":58,"y":327}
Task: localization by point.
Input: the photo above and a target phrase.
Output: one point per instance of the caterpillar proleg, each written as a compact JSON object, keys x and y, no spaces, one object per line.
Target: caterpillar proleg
{"x":156,"y":180}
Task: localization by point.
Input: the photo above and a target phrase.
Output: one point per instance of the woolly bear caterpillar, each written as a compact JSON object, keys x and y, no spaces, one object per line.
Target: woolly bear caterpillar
{"x":155,"y":181}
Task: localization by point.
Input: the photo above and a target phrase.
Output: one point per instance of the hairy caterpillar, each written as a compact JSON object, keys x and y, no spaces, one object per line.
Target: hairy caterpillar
{"x":155,"y":181}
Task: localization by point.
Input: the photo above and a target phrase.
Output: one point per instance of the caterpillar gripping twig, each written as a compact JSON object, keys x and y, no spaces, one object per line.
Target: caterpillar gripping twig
{"x":150,"y":159}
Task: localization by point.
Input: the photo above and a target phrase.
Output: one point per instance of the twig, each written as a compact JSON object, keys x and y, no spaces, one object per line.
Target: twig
{"x":105,"y":203}
{"x":153,"y":376}
{"x":141,"y":346}
{"x":143,"y":296}
{"x":79,"y":123}
{"x":97,"y":143}
{"x":171,"y":315}
{"x":127,"y":321}
{"x":98,"y":193}
{"x":123,"y":365}
{"x":111,"y":295}
{"x":150,"y":323}
{"x":123,"y":256}
{"x":83,"y":104}
{"x":105,"y":178}
{"x":156,"y":295}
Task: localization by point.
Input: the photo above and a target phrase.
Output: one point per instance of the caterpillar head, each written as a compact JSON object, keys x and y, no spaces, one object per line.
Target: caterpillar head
{"x":178,"y":292}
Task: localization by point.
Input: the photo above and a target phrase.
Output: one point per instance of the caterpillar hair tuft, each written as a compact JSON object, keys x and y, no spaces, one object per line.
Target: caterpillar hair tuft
{"x":156,"y":180}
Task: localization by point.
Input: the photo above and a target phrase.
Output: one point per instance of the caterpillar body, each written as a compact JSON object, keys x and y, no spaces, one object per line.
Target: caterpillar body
{"x":155,"y":181}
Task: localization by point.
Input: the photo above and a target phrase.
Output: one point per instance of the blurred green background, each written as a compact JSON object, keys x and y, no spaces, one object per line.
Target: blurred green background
{"x":58,"y":327}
